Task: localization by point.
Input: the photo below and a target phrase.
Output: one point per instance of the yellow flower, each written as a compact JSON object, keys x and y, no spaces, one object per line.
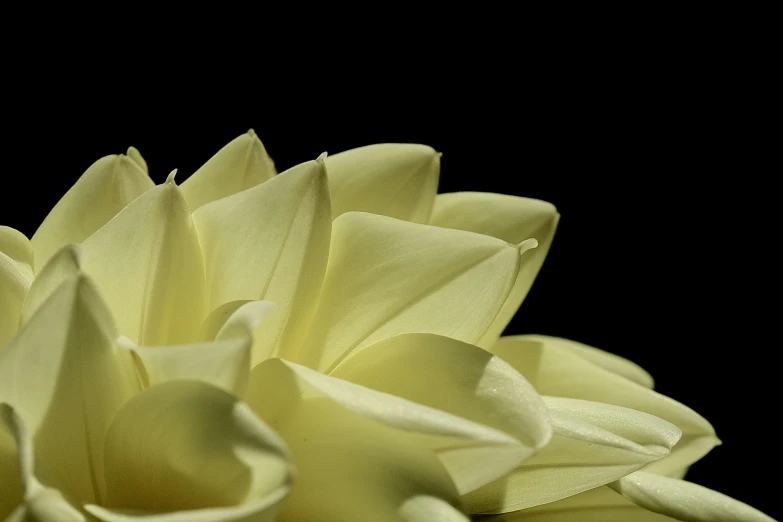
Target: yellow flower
{"x":321,"y":344}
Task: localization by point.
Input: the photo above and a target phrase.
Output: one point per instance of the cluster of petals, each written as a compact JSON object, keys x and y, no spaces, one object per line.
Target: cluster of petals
{"x":322,"y":344}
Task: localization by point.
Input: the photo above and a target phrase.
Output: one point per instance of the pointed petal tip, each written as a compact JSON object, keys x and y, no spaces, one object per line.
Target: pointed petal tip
{"x":170,"y":177}
{"x":527,"y":244}
{"x":322,"y":157}
{"x":251,"y":133}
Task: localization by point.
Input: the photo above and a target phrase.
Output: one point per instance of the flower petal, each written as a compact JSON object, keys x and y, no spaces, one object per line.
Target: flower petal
{"x":238,"y":166}
{"x":593,"y":444}
{"x":474,"y":454}
{"x":16,"y":275}
{"x":63,"y":265}
{"x":457,"y":378}
{"x":387,"y":277}
{"x":44,"y":372}
{"x":558,"y":367}
{"x":684,"y":501}
{"x":511,"y":219}
{"x":34,"y":502}
{"x":350,"y":468}
{"x":147,"y":264}
{"x":188,"y":451}
{"x":393,"y":179}
{"x":223,"y":362}
{"x":596,"y":505}
{"x":272,"y":243}
{"x":100,"y":193}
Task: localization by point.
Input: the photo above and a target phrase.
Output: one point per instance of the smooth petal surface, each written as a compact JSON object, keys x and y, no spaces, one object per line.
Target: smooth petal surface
{"x":593,"y":444}
{"x":100,"y":193}
{"x":223,"y":362}
{"x":16,"y":275}
{"x":357,"y":455}
{"x":558,"y":367}
{"x":510,"y":218}
{"x":238,"y":166}
{"x":51,"y":374}
{"x":393,"y":179}
{"x":270,"y":242}
{"x":386,"y":277}
{"x":147,"y":263}
{"x":460,"y":379}
{"x":188,"y":451}
{"x":597,"y":505}
{"x":30,"y":500}
{"x":63,"y":265}
{"x":684,"y":501}
{"x":474,"y":454}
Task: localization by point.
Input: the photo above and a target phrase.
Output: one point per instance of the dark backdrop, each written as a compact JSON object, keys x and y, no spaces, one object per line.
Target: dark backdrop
{"x":655,"y":258}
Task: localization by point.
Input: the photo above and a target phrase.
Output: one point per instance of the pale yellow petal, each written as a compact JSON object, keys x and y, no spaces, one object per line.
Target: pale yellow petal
{"x":559,"y":367}
{"x":16,"y":275}
{"x":66,"y":377}
{"x":100,"y":193}
{"x":473,"y":453}
{"x":63,"y":265}
{"x":511,"y":219}
{"x":240,"y":165}
{"x":386,"y":277}
{"x":350,"y":468}
{"x":684,"y":501}
{"x":593,"y":444}
{"x":147,"y":263}
{"x":188,"y":451}
{"x":223,"y":362}
{"x":394,"y":179}
{"x":22,"y":497}
{"x":460,"y":379}
{"x":270,"y":242}
{"x":597,"y":505}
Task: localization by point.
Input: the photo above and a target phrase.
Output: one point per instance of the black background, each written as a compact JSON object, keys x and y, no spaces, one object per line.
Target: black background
{"x":658,"y":256}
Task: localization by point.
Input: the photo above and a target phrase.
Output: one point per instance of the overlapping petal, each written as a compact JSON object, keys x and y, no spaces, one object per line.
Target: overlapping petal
{"x":66,"y":378}
{"x":386,"y":277}
{"x":510,"y":218}
{"x":147,"y":263}
{"x":391,"y":179}
{"x":357,"y":453}
{"x":270,"y":242}
{"x":63,"y":265}
{"x":100,"y":193}
{"x":593,"y":444}
{"x":187,"y":451}
{"x":16,"y":275}
{"x":240,"y":165}
{"x":559,"y":367}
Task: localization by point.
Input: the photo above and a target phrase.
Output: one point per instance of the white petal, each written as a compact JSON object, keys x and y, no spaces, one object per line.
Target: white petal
{"x":188,"y":451}
{"x":100,"y":193}
{"x":558,"y":367}
{"x":593,"y":444}
{"x":238,"y":166}
{"x":460,"y":379}
{"x":271,"y":243}
{"x":684,"y":501}
{"x":63,"y":265}
{"x":147,"y":264}
{"x":511,"y":219}
{"x":387,"y":277}
{"x":16,"y":275}
{"x":393,"y":179}
{"x":66,"y":377}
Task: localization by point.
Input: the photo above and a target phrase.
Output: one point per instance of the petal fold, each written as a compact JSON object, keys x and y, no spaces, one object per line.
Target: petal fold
{"x":188,"y":451}
{"x":393,"y":179}
{"x":238,"y":166}
{"x":386,"y":277}
{"x":97,"y":196}
{"x":270,"y":242}
{"x":510,"y":218}
{"x":16,"y":275}
{"x":147,"y":263}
